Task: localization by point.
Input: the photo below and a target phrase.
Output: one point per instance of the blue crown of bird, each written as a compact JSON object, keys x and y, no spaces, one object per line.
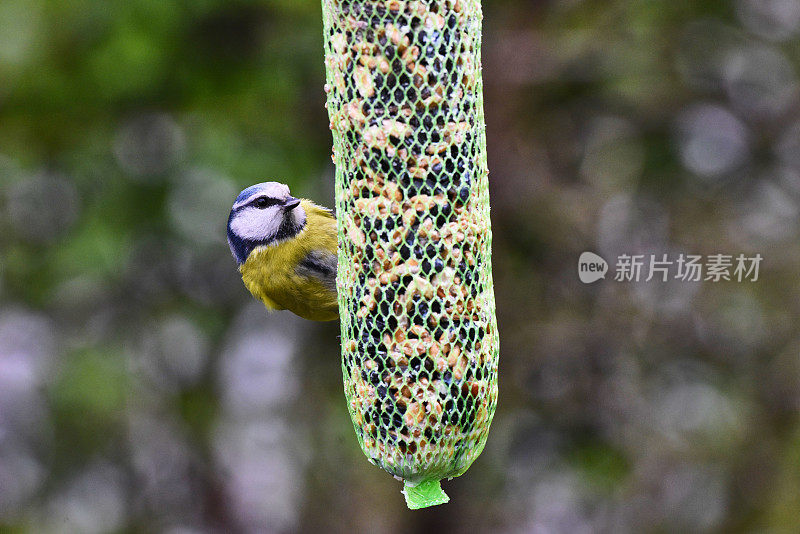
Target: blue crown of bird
{"x":286,"y":248}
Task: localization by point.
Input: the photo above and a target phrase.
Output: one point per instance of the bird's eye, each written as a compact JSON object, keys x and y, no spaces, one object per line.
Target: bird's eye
{"x":262,"y":202}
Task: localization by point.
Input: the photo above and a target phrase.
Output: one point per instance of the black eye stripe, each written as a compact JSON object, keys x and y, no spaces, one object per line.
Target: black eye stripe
{"x":265,"y":202}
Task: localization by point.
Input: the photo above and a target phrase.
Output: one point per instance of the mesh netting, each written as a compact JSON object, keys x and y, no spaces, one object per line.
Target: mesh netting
{"x":419,"y":335}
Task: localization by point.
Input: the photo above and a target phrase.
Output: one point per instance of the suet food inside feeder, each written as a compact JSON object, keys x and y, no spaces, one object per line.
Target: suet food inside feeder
{"x":419,"y":335}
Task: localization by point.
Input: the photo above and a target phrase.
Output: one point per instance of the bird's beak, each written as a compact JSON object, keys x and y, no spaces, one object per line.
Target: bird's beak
{"x":290,"y":203}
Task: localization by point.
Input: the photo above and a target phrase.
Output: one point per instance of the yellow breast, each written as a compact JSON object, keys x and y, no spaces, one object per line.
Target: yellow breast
{"x":270,"y":272}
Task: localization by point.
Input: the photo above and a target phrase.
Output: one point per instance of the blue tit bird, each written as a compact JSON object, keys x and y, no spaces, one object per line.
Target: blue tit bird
{"x":286,"y":248}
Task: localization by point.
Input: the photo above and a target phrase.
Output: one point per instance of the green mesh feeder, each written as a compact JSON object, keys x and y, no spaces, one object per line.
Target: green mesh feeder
{"x":419,"y":334}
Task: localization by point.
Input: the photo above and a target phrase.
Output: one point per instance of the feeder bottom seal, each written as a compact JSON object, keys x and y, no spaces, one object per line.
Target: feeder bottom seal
{"x":424,"y":494}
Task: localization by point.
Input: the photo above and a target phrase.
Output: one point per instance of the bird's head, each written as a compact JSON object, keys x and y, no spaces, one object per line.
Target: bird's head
{"x":263,"y":214}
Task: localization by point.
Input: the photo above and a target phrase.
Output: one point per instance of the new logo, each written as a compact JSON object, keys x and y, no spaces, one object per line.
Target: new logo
{"x":591,"y":267}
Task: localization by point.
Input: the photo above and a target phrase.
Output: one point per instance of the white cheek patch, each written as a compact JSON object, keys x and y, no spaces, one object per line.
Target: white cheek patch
{"x":253,"y":224}
{"x":299,"y":216}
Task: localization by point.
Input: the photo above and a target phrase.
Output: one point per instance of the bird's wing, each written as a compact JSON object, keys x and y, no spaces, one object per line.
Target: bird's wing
{"x":319,"y":264}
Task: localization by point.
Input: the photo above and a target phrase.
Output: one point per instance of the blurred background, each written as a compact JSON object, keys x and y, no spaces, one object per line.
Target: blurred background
{"x":143,"y":390}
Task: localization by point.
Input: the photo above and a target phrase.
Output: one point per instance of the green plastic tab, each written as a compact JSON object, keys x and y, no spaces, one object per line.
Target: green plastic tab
{"x":424,"y":494}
